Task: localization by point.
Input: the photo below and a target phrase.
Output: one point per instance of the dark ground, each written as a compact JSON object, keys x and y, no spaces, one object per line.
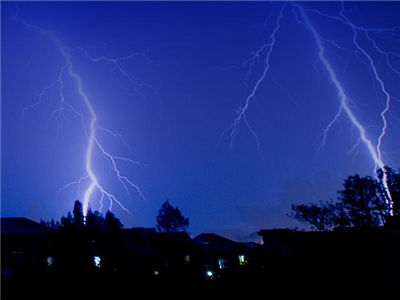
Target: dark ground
{"x":281,"y":286}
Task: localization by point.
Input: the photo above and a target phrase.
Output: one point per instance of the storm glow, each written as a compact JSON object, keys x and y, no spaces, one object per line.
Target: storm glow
{"x":346,"y":106}
{"x":375,"y":152}
{"x":91,"y":131}
{"x":233,"y":110}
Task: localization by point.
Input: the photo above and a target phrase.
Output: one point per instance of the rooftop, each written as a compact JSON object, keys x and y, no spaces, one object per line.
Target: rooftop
{"x":21,"y":226}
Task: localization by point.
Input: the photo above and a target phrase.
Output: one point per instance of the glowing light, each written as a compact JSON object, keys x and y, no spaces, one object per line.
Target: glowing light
{"x":50,"y":261}
{"x":97,"y":261}
{"x":242,"y":260}
{"x":222,"y":263}
{"x":187,"y":258}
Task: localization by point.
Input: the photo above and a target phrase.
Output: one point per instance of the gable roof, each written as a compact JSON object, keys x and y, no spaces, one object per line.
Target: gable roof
{"x":217,"y":243}
{"x":21,"y":226}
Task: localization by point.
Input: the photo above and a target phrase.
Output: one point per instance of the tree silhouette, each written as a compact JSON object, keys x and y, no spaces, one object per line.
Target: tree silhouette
{"x":361,"y":203}
{"x":94,"y":220}
{"x":79,"y":221}
{"x":112,"y":223}
{"x":321,"y":217}
{"x":51,"y":224}
{"x":170,"y":219}
{"x":67,"y":222}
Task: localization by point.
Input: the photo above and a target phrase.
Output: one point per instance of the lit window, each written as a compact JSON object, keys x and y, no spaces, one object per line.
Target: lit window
{"x":97,"y":261}
{"x":222,"y":263}
{"x":242,"y":260}
{"x":50,"y":261}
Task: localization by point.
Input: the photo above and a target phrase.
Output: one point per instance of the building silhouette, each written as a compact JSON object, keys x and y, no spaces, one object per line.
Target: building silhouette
{"x":358,"y":263}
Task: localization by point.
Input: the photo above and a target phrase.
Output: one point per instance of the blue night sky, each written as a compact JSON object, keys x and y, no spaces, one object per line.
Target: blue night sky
{"x":170,"y":79}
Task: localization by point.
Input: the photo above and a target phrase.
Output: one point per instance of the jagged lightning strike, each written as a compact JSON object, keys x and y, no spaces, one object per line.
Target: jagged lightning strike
{"x":374,"y":149}
{"x":91,"y":130}
{"x":268,"y":49}
{"x":375,"y":152}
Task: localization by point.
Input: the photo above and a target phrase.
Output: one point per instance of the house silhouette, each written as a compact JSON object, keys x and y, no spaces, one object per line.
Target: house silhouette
{"x":363,"y":264}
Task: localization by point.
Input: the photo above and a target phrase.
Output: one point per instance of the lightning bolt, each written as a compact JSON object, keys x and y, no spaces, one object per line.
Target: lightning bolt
{"x":91,"y":131}
{"x":347,"y":106}
{"x":266,"y":49}
{"x":374,"y":151}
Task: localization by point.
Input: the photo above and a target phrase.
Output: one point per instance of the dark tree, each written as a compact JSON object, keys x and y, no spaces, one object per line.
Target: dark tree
{"x":361,"y":203}
{"x":94,"y":220}
{"x":321,"y":217}
{"x":51,"y":224}
{"x":170,"y":219}
{"x":67,"y":222}
{"x":79,"y":221}
{"x":112,"y":223}
{"x":54,"y":224}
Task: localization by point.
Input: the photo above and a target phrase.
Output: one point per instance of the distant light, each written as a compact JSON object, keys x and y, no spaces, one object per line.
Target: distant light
{"x":97,"y":261}
{"x":50,"y":261}
{"x":222,"y":263}
{"x":210,"y":274}
{"x":156,"y":273}
{"x":242,"y":260}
